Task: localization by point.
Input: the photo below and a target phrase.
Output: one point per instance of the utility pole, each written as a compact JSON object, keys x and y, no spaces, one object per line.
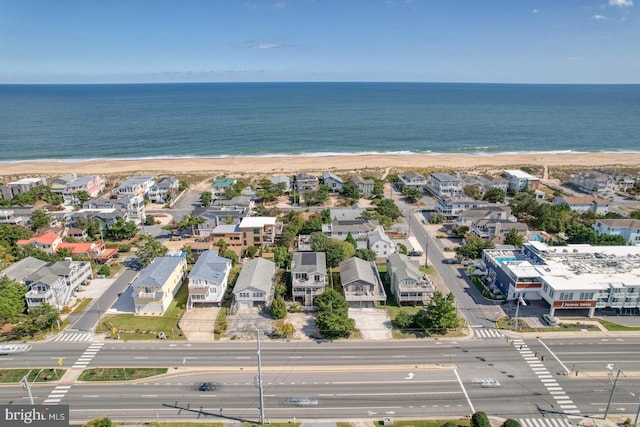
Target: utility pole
{"x":613,"y":389}
{"x":27,"y":386}
{"x":260,"y":392}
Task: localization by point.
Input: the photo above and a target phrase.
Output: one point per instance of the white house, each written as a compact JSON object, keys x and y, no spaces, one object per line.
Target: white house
{"x":380,"y":243}
{"x":627,"y":228}
{"x":208,"y":280}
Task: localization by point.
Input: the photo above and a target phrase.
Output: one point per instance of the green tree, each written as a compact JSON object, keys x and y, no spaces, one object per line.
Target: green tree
{"x":205,"y":198}
{"x":12,"y":301}
{"x":10,"y":234}
{"x":350,"y":190}
{"x":387,"y":208}
{"x":151,"y":249}
{"x":366,"y":254}
{"x":473,"y":247}
{"x":278,"y":308}
{"x":40,"y":218}
{"x":190,"y":256}
{"x":311,"y":225}
{"x":319,"y":242}
{"x":332,"y":301}
{"x":461,"y":231}
{"x":439,"y":316}
{"x":333,"y":325}
{"x":282,"y":257}
{"x":471,"y":191}
{"x":104,"y":270}
{"x":316,"y":197}
{"x":149,"y":220}
{"x":494,"y":195}
{"x":81,"y":197}
{"x":40,"y":318}
{"x":337,"y":251}
{"x":100,"y":422}
{"x":412,"y":194}
{"x":403,"y":320}
{"x":635,"y":214}
{"x":436,"y":218}
{"x":190,"y":221}
{"x":480,"y":419}
{"x":513,"y":238}
{"x":121,"y":230}
{"x":351,"y":240}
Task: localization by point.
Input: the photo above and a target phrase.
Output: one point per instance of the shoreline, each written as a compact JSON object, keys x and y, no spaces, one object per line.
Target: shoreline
{"x":338,"y":162}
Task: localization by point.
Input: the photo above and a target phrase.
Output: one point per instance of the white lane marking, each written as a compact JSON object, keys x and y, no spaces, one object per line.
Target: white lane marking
{"x":554,"y":356}
{"x":455,"y":371}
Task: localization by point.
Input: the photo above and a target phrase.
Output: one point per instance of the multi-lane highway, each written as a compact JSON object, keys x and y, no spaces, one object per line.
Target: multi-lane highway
{"x":348,"y":379}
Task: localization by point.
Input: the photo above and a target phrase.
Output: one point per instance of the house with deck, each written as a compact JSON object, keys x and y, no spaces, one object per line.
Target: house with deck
{"x":158,"y":283}
{"x":408,"y":284}
{"x":308,"y":276}
{"x":361,"y":282}
{"x":208,"y":280}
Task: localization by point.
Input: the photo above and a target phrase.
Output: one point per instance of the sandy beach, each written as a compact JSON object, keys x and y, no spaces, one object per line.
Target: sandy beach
{"x":288,"y":165}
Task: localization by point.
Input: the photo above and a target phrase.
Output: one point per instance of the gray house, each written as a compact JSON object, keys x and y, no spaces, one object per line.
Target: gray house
{"x":208,"y":280}
{"x":255,"y":284}
{"x":308,"y":275}
{"x":408,"y":283}
{"x":361,"y":281}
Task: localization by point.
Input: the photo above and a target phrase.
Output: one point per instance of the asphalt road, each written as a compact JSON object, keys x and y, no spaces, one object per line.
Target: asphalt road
{"x":349,"y":379}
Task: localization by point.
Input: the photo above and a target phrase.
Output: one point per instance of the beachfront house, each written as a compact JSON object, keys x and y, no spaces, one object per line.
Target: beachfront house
{"x":333,"y":181}
{"x":365,"y":186}
{"x":12,"y":189}
{"x":308,"y":276}
{"x":158,"y":283}
{"x":520,"y":180}
{"x":221,"y":185}
{"x":208,"y":280}
{"x":137,"y":185}
{"x":93,"y":185}
{"x":59,"y":184}
{"x":591,"y":204}
{"x":255,"y":284}
{"x":284,"y":181}
{"x":164,"y":190}
{"x":412,"y":179}
{"x":306,"y":182}
{"x":443,"y":184}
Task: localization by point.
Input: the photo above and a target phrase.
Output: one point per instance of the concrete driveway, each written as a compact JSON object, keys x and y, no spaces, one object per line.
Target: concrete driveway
{"x":373,"y":323}
{"x":197,"y":324}
{"x":244,"y":323}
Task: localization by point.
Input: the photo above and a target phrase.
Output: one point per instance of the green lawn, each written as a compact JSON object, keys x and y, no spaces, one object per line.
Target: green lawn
{"x":509,"y":323}
{"x":426,"y":423}
{"x":136,"y":327}
{"x":84,"y":302}
{"x":120,"y":374}
{"x":616,"y":327}
{"x":44,"y":375}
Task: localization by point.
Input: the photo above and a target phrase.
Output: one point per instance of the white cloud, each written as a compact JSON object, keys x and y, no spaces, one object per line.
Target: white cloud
{"x":599,"y":17}
{"x":280,"y":5}
{"x":621,"y":3}
{"x":267,"y":46}
{"x":534,"y":11}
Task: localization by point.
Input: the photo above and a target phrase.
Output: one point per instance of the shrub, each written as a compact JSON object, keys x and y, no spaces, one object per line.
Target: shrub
{"x":104,"y":270}
{"x":510,"y":422}
{"x":450,"y":424}
{"x":480,"y":419}
{"x":283,"y":330}
{"x":278,"y":308}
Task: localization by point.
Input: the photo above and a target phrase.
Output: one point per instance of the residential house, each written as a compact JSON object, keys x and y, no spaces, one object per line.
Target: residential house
{"x":308,"y":276}
{"x":133,"y":205}
{"x":48,"y":242}
{"x":306,"y":182}
{"x":521,"y":180}
{"x":50,"y":282}
{"x":591,"y":204}
{"x":138,"y":185}
{"x":58,"y":185}
{"x":12,"y":189}
{"x":255,"y":284}
{"x":236,"y":202}
{"x":208,"y":280}
{"x":214,"y":216}
{"x":158,"y":283}
{"x":594,"y":182}
{"x":359,"y":230}
{"x":92,"y":184}
{"x":221,"y":185}
{"x":106,"y":216}
{"x":333,"y":181}
{"x":284,"y":180}
{"x":365,"y":186}
{"x":380,"y":243}
{"x":471,"y":215}
{"x":92,"y":250}
{"x":443,"y":184}
{"x":361,"y":281}
{"x":627,"y":228}
{"x":451,"y":207}
{"x":198,"y":248}
{"x":495,"y":230}
{"x":163,"y":190}
{"x":350,"y":214}
{"x":77,"y":233}
{"x":413,"y":180}
{"x":408,"y":284}
{"x":16,"y":216}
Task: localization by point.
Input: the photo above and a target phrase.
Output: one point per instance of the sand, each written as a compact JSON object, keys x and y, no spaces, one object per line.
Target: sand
{"x":288,"y":165}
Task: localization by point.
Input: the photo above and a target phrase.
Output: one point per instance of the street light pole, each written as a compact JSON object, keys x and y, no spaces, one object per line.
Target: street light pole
{"x":613,"y":389}
{"x":260,"y":392}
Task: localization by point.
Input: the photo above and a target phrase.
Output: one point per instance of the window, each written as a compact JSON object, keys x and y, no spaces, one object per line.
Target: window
{"x":244,"y":294}
{"x":566,"y":296}
{"x":257,"y":294}
{"x":317,"y":278}
{"x":586,"y":295}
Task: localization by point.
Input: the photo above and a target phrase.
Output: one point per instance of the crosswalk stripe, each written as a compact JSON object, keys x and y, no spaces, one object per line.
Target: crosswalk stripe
{"x":73,"y":337}
{"x":544,"y":422}
{"x":487,"y":333}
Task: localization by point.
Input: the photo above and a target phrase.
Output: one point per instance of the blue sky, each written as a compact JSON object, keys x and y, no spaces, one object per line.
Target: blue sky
{"x":505,"y":41}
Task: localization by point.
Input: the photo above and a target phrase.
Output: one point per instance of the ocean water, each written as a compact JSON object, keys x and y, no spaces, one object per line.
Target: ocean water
{"x":75,"y":122}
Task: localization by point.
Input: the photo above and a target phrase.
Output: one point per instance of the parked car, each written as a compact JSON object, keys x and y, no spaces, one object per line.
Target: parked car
{"x":550,"y":320}
{"x":415,"y":253}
